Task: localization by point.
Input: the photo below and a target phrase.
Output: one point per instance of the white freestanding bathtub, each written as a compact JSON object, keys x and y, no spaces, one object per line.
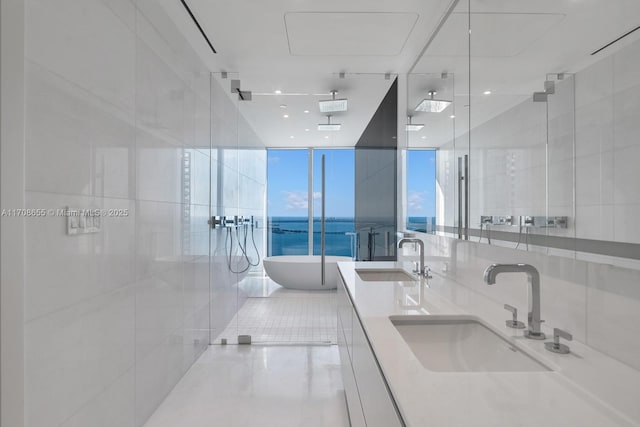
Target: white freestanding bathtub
{"x":303,"y":271}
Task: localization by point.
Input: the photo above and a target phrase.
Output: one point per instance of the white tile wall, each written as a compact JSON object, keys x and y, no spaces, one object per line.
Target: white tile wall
{"x":115,"y":99}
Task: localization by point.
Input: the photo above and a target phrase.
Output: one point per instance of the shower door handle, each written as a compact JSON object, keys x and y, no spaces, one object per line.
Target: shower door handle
{"x":463,"y":188}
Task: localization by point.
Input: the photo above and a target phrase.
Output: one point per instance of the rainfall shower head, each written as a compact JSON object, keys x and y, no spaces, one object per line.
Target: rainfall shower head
{"x":413,"y":127}
{"x":329,"y":126}
{"x":431,"y":105}
{"x":333,"y":105}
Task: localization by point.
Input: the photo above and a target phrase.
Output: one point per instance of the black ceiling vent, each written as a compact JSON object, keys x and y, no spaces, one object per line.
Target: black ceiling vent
{"x":615,"y":41}
{"x":195,"y":21}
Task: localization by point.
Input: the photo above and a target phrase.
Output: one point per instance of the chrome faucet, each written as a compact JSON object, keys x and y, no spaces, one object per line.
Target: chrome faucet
{"x":422,"y":271}
{"x":533,"y":331}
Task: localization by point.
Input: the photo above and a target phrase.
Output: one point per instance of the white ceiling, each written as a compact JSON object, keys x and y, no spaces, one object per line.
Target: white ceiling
{"x":265,"y":113}
{"x":348,"y":34}
{"x":301,"y":45}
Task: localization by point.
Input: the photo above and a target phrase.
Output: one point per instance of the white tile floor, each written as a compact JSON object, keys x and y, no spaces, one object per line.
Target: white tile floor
{"x":258,"y":385}
{"x":273,"y":314}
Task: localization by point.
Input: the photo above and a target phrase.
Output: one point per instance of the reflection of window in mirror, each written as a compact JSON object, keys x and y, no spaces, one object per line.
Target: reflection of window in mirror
{"x":421,"y":190}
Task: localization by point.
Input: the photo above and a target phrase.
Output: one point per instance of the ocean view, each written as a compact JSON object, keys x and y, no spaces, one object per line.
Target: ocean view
{"x":290,"y":235}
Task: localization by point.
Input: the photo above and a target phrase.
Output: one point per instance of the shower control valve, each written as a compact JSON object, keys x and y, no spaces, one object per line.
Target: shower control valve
{"x":216,"y":221}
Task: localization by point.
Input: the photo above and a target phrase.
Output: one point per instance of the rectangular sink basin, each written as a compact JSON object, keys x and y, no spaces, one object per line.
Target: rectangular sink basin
{"x":384,"y":275}
{"x":461,"y":344}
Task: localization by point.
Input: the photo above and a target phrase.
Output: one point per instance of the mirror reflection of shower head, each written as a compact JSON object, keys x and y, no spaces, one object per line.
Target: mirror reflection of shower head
{"x":432,"y":105}
{"x":413,"y":127}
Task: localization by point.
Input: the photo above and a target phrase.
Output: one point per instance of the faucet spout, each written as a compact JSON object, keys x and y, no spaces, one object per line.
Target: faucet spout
{"x":401,"y":242}
{"x":533,"y":276}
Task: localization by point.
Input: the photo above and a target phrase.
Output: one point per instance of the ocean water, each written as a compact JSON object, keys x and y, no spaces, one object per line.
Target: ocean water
{"x":290,"y":236}
{"x":424,"y":224}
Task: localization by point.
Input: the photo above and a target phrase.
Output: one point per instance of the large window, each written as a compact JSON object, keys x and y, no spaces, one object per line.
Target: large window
{"x":421,"y":190}
{"x":339,"y":204}
{"x":287,"y":202}
{"x":289,"y":193}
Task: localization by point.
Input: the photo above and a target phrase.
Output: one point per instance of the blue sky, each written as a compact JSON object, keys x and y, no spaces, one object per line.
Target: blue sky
{"x":421,"y":183}
{"x":288,"y":186}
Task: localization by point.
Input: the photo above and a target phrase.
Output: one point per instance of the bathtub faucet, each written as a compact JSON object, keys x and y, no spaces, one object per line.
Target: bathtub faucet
{"x":422,"y":271}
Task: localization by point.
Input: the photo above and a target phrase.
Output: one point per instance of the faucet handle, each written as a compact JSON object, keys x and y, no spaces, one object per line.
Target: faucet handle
{"x":555,"y":345}
{"x":514,"y":323}
{"x":427,"y":272}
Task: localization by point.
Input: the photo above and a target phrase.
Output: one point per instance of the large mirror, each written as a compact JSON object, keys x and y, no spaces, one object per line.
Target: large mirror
{"x":437,"y":150}
{"x":553,"y":93}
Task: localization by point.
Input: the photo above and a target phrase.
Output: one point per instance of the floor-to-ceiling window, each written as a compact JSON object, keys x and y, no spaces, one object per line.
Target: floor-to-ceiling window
{"x":288,"y":202}
{"x":421,"y":190}
{"x":339,"y":204}
{"x":289,"y":173}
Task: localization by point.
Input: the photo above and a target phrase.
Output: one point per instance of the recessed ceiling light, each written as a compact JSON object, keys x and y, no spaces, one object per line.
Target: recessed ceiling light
{"x":283,"y":105}
{"x":286,"y":116}
{"x":487,"y":92}
{"x":306,"y":111}
{"x":326,"y":137}
{"x":424,"y":137}
{"x":278,"y":92}
{"x":452,"y":116}
{"x":431,"y":105}
{"x":306,"y":130}
{"x":291,"y":137}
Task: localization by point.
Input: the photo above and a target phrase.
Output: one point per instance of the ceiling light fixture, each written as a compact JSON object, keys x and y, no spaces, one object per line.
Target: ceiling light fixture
{"x":413,"y":127}
{"x":452,"y":116}
{"x":306,"y":130}
{"x":278,"y":92}
{"x":286,"y":116}
{"x":329,"y":126}
{"x":306,"y":111}
{"x":487,"y":92}
{"x":431,"y":105}
{"x":283,"y":105}
{"x":333,"y":104}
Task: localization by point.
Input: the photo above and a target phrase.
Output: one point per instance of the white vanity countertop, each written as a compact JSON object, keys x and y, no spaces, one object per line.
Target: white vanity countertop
{"x":585,"y":388}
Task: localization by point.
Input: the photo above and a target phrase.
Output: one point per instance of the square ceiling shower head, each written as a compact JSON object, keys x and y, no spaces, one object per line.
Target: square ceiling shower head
{"x":333,"y":105}
{"x":413,"y":127}
{"x":329,"y":126}
{"x":431,"y":105}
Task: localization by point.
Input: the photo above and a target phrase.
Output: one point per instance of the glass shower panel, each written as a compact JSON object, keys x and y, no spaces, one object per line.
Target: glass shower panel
{"x":225,"y":262}
{"x":560,"y":161}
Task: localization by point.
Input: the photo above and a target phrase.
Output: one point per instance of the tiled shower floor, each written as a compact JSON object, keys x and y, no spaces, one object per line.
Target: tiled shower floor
{"x":273,"y":314}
